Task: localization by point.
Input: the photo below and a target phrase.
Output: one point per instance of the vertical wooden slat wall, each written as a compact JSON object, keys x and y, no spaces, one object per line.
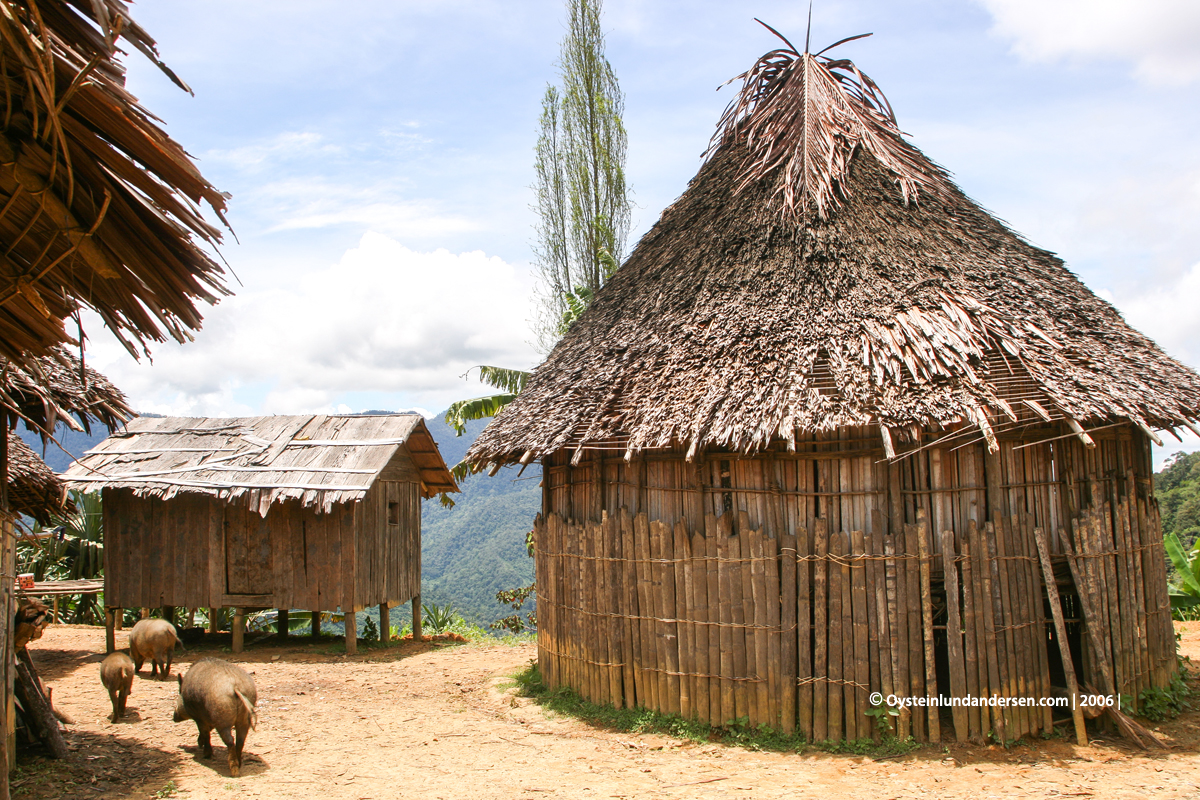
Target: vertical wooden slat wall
{"x":785,"y":588}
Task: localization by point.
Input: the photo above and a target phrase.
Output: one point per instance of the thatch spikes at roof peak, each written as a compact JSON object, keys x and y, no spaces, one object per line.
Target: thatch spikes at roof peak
{"x":804,"y":115}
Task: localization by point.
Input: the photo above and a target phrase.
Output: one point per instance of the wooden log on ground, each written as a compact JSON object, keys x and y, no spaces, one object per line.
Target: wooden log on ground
{"x":39,"y":714}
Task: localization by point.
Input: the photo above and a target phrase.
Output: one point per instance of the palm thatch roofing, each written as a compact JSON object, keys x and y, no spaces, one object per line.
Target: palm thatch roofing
{"x":58,"y":387}
{"x":259,"y":461}
{"x":818,"y":272}
{"x":33,"y":488}
{"x":99,"y":208}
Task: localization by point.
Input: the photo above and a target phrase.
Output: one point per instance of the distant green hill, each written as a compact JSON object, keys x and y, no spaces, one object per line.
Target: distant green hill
{"x":477,"y":548}
{"x":1178,"y":491}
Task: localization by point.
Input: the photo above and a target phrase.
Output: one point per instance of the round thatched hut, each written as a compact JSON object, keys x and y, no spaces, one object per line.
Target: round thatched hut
{"x":803,"y":446}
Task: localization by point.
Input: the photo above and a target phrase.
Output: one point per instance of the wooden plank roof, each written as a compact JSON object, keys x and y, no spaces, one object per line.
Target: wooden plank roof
{"x":318,"y":459}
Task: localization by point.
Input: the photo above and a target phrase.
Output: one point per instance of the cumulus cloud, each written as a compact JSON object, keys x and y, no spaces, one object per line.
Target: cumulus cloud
{"x":1166,"y":312}
{"x":385,"y":321}
{"x":1160,"y":37}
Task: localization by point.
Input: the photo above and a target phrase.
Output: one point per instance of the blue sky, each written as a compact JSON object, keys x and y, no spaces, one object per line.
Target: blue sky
{"x":379,"y":157}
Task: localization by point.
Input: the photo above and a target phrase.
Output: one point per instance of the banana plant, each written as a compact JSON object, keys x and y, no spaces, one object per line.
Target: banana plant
{"x":1185,"y":592}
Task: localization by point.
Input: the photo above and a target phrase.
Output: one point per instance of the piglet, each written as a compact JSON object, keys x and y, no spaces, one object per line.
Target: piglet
{"x":116,"y":673}
{"x":153,"y":639}
{"x":217,"y":694}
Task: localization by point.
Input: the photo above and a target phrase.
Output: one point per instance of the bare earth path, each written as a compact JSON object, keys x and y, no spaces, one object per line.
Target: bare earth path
{"x":427,"y":721}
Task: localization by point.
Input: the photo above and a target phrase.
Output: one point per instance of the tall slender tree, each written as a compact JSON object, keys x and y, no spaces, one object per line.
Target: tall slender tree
{"x":582,"y":198}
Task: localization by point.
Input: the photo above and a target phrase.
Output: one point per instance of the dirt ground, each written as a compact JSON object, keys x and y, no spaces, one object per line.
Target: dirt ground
{"x":435,"y":721}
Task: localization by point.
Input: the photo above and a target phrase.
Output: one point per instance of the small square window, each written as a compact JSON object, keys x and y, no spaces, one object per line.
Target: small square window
{"x":393,"y":513}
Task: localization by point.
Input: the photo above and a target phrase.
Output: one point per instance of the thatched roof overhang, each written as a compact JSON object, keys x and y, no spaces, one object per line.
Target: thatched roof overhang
{"x":771,"y":300}
{"x":260,"y":461}
{"x":46,"y":390}
{"x":33,"y":488}
{"x":99,"y":208}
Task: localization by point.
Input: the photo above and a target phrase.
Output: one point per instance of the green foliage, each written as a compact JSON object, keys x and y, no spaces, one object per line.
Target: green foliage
{"x":1185,"y":590}
{"x":1157,"y":704}
{"x":582,"y":198}
{"x":437,"y":619}
{"x":473,"y":551}
{"x":370,"y":631}
{"x":72,"y":549}
{"x":739,"y":733}
{"x":515,"y":599}
{"x":1177,"y":488}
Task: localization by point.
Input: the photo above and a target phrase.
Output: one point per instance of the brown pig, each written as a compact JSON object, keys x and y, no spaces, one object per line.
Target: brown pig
{"x":217,"y":694}
{"x":153,"y":639}
{"x":116,"y":673}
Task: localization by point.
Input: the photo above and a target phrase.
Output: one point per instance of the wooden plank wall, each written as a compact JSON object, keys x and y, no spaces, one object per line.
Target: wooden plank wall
{"x":193,"y":551}
{"x":779,"y":590}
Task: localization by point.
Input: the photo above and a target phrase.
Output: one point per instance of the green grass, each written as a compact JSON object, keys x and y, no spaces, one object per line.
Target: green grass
{"x":738,"y":734}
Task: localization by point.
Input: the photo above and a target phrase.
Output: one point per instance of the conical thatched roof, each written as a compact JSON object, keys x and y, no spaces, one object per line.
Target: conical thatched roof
{"x":821,"y":272}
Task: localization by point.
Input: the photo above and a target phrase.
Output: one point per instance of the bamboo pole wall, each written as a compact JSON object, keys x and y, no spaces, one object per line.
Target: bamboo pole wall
{"x":785,"y":589}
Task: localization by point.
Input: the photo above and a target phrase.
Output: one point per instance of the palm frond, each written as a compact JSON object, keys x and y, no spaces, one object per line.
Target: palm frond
{"x":460,"y":413}
{"x":506,"y":380}
{"x":803,"y":116}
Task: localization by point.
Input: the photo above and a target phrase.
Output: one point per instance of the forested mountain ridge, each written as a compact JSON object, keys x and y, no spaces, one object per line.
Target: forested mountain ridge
{"x":1178,"y":490}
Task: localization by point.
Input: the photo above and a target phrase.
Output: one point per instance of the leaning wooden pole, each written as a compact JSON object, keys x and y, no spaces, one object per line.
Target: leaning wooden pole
{"x":8,"y":571}
{"x":1060,"y":633}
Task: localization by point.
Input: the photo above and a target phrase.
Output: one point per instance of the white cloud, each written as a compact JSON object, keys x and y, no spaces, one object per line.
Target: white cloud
{"x":1161,"y":37}
{"x":1166,"y":312}
{"x":385,"y":320}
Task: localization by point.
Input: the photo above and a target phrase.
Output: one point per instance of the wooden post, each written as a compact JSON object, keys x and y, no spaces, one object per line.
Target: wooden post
{"x":168,"y":613}
{"x":212,"y":620}
{"x":281,"y":623}
{"x":8,"y":570}
{"x":54,"y":618}
{"x":1060,"y":633}
{"x":416,"y":614}
{"x":316,"y":624}
{"x":110,"y":633}
{"x":239,"y":629}
{"x":145,"y":613}
{"x":350,"y":620}
{"x":384,"y":624}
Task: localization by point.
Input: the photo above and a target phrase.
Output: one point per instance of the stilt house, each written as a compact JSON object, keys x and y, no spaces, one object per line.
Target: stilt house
{"x":307,"y":512}
{"x":804,"y":444}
